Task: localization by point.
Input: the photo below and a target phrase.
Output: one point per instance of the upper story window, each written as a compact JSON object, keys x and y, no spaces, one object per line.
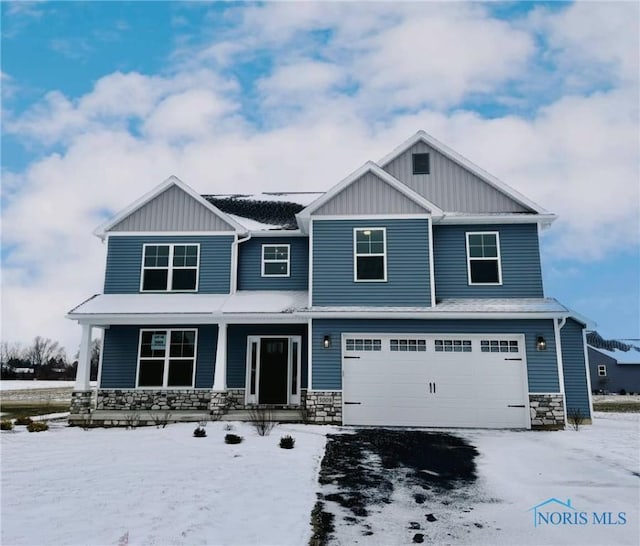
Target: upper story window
{"x":170,"y":268}
{"x":275,"y":260}
{"x":602,"y":370}
{"x":420,"y":163}
{"x":370,"y":254}
{"x":483,"y":258}
{"x":166,"y":358}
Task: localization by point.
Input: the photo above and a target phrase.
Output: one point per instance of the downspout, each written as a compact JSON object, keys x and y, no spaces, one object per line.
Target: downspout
{"x":558,"y":325}
{"x":234,"y":256}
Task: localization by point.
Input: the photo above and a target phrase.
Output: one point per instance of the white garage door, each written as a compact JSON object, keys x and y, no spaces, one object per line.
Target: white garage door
{"x":471,"y":380}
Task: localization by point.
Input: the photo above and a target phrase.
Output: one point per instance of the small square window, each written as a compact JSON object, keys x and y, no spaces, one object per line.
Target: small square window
{"x":602,"y":370}
{"x":420,"y":163}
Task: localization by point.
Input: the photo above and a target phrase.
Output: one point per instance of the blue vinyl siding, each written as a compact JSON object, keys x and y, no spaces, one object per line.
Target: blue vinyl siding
{"x":520,"y":257}
{"x":237,"y":348}
{"x":250,"y":265}
{"x":124,"y":261}
{"x":408,"y":281}
{"x":542,"y":366}
{"x":574,"y":369}
{"x":120,"y":355}
{"x":619,"y":376}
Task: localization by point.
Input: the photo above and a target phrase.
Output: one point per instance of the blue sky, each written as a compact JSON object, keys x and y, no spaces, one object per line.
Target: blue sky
{"x":104,"y":100}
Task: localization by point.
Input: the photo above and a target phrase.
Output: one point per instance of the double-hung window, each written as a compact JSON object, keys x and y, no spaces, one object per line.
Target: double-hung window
{"x":275,"y":260}
{"x":170,"y":268}
{"x":483,"y":258}
{"x":167,"y":358}
{"x":370,"y":254}
{"x":602,"y":370}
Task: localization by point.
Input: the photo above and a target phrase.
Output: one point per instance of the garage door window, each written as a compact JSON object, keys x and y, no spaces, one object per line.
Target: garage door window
{"x":498,"y":346}
{"x":410,"y":345}
{"x":364,"y":345}
{"x":453,"y":345}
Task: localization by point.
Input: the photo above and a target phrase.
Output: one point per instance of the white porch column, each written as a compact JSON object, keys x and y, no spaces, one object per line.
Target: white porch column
{"x":84,"y":361}
{"x":220,"y":375}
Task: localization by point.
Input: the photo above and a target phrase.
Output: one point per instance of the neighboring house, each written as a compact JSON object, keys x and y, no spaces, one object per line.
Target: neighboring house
{"x":409,"y":294}
{"x":614,"y":365}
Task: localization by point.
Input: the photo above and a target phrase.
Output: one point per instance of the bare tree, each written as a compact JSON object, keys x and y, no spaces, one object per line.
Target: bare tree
{"x":10,"y":351}
{"x":44,"y":349}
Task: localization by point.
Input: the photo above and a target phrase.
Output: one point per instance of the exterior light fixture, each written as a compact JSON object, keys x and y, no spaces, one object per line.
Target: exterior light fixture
{"x":326,"y":342}
{"x":541,"y":344}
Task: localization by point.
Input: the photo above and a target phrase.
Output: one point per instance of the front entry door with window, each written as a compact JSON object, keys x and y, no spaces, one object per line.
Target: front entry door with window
{"x":274,"y":367}
{"x":273,"y":370}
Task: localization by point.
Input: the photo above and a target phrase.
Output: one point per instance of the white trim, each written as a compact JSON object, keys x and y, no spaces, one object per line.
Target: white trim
{"x":235,"y":257}
{"x":506,"y":218}
{"x":83,"y":371}
{"x":292,"y":400}
{"x":356,"y":254}
{"x":170,"y":267}
{"x":372,"y":217}
{"x":432,"y":275}
{"x":99,"y":378}
{"x":454,"y":315}
{"x":309,"y":353}
{"x":220,"y":365}
{"x":229,"y":233}
{"x":498,"y":257}
{"x":560,"y":362}
{"x":422,"y":136}
{"x":167,"y":358}
{"x":310,"y":262}
{"x":602,"y":368}
{"x":263,"y":261}
{"x":101,"y":230}
{"x":587,"y":370}
{"x":278,"y":233}
{"x":371,"y":167}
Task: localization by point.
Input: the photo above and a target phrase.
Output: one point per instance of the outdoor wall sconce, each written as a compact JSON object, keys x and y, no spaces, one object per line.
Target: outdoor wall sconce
{"x":541,"y":344}
{"x":326,"y":342}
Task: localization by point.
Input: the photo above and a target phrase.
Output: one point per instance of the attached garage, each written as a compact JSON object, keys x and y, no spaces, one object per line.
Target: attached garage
{"x":435,"y":380}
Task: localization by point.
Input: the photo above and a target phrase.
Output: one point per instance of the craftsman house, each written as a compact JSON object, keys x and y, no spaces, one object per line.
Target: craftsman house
{"x":410,"y":294}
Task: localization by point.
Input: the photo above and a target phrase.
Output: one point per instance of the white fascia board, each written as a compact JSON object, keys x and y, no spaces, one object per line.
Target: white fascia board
{"x":278,"y":233}
{"x":507,"y":218}
{"x":371,"y":167}
{"x":101,"y":230}
{"x":422,"y":136}
{"x":186,"y":318}
{"x":589,"y":324}
{"x":453,"y":315}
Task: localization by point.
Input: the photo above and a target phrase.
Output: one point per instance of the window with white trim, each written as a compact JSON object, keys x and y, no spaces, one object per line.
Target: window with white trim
{"x":370,"y":254}
{"x":498,"y":346}
{"x":602,"y":370}
{"x":408,"y":345}
{"x":364,"y":345}
{"x":452,"y":345}
{"x":170,"y":268}
{"x":275,"y":260}
{"x":167,"y":358}
{"x":483,"y":258}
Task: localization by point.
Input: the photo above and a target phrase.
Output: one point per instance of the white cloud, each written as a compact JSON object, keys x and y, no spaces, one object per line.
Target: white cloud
{"x":577,"y":156}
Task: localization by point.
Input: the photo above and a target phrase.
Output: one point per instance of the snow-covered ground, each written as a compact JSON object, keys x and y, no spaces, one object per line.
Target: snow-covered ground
{"x":162,"y":486}
{"x":20,"y":384}
{"x":158,"y":486}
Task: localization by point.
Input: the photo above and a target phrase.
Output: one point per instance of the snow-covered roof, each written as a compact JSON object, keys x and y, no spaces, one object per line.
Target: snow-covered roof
{"x":632,"y":356}
{"x":189,"y":305}
{"x":264,"y":211}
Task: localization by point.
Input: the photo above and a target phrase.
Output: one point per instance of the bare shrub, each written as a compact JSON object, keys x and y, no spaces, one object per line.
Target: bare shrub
{"x":160,"y":419}
{"x":132,"y":420}
{"x":262,"y":420}
{"x":575,"y":418}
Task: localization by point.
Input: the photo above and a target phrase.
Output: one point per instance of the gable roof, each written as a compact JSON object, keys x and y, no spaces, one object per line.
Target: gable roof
{"x":369,"y":167}
{"x":422,"y":136}
{"x":172,"y":181}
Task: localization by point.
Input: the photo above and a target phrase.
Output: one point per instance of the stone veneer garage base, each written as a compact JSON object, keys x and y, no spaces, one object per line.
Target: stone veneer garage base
{"x":547,"y":411}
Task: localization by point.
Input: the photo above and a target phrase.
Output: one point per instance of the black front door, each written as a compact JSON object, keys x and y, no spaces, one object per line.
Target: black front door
{"x":274,"y":367}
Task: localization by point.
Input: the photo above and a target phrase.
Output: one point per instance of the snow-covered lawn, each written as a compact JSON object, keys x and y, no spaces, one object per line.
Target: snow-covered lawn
{"x":25,"y":384}
{"x":162,"y":486}
{"x":158,"y":486}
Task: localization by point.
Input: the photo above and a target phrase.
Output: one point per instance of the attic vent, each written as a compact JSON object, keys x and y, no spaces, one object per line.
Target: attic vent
{"x":420,"y":163}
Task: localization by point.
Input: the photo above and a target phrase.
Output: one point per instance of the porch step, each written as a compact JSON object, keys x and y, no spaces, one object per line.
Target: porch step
{"x":124,"y":417}
{"x":279,"y":415}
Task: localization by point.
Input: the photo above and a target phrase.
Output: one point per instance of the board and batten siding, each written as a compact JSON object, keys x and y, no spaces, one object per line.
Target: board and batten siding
{"x":574,"y":369}
{"x":173,"y":210}
{"x":449,"y":185}
{"x":237,"y":348}
{"x":124,"y":261}
{"x":250,"y":264}
{"x":542,"y":366}
{"x":520,"y":258}
{"x":120,"y":355}
{"x":369,"y":195}
{"x":408,"y":278}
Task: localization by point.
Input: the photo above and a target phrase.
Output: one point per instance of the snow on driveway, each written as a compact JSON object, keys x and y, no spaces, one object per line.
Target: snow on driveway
{"x":158,"y":486}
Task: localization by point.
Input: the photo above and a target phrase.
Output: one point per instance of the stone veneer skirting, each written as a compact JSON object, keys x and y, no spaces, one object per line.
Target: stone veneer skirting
{"x":547,"y":410}
{"x":154,"y":400}
{"x":324,"y":407}
{"x":81,"y":402}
